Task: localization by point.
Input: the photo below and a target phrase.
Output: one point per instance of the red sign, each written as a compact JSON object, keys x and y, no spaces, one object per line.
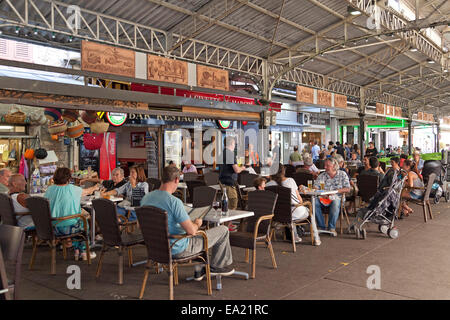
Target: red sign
{"x":108,"y":156}
{"x":201,"y":95}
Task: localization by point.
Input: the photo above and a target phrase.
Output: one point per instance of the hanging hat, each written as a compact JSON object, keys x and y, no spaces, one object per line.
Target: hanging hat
{"x":52,"y":114}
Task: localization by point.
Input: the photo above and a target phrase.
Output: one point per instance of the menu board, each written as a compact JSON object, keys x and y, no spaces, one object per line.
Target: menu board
{"x":151,"y":144}
{"x":340,"y":101}
{"x":212,"y":78}
{"x":168,"y":70}
{"x":102,"y":58}
{"x":305,"y":94}
{"x":381,"y":108}
{"x":324,"y":98}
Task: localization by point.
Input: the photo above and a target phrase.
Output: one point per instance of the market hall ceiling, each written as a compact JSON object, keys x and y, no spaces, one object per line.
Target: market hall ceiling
{"x":312,"y":42}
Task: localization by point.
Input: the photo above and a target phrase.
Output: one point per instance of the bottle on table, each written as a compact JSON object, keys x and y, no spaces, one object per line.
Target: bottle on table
{"x":224,"y":202}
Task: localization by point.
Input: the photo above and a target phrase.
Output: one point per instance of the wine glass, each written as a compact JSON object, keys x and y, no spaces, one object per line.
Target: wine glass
{"x":216,"y":206}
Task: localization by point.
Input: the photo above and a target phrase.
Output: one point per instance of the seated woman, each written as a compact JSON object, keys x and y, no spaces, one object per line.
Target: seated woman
{"x":137,"y":186}
{"x":299,"y":212}
{"x":413,"y":181}
{"x":259,"y":183}
{"x":65,"y":201}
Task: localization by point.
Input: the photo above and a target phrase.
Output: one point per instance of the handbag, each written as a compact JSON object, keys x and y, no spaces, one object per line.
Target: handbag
{"x":93,"y":141}
{"x":40,"y":153}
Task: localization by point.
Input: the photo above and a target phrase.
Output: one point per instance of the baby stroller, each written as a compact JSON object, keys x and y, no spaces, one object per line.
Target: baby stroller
{"x":382,"y":210}
{"x":440,"y":187}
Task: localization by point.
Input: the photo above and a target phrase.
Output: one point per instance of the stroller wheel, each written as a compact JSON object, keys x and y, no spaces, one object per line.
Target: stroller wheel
{"x":436,"y":200}
{"x":383,"y":228}
{"x":447,"y":196}
{"x":364,"y":234}
{"x":393,"y":233}
{"x":358,"y":233}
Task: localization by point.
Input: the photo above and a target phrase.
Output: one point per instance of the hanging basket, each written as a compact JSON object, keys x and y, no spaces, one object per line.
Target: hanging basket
{"x":89,"y":116}
{"x":75,"y":131}
{"x":52,"y":114}
{"x":57,"y":128}
{"x":93,"y":141}
{"x":17,"y":117}
{"x":70,"y":115}
{"x":29,"y":154}
{"x":99,"y":127}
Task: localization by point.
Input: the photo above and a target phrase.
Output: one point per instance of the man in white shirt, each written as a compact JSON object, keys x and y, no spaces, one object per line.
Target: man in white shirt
{"x":189,"y":168}
{"x":315,"y":150}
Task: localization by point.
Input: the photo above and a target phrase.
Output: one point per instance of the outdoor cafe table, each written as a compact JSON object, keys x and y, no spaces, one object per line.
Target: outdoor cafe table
{"x":314,"y":194}
{"x":217,"y":218}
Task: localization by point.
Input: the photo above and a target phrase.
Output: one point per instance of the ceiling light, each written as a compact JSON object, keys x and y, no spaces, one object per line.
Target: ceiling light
{"x":413,"y":49}
{"x":70,"y":39}
{"x":353,"y":11}
{"x":53,"y":35}
{"x":430,"y":61}
{"x":35,"y":31}
{"x":17,"y":30}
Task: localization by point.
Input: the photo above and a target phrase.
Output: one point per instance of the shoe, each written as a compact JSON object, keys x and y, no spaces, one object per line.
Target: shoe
{"x":225,"y":271}
{"x":232,"y":228}
{"x":317,"y":242}
{"x":298,"y":239}
{"x":98,"y":237}
{"x":334,"y":233}
{"x":84,"y":255}
{"x":200,"y":274}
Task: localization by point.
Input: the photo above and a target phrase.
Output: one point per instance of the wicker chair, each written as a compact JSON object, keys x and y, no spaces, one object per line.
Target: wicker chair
{"x":211,"y":178}
{"x":190,"y":176}
{"x":191,"y":185}
{"x":283,"y":213}
{"x":262,"y":203}
{"x":12,"y":239}
{"x":368,"y":186}
{"x":113,"y":236}
{"x":301,"y":178}
{"x":425,"y":202}
{"x":8,"y":215}
{"x":40,"y":211}
{"x":203,"y":196}
{"x":290,"y":170}
{"x":247,"y":179}
{"x":153,"y":184}
{"x":154,"y":226}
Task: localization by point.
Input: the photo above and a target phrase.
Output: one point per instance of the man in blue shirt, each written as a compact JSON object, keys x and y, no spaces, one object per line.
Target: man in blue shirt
{"x":179,"y":222}
{"x":315,"y":150}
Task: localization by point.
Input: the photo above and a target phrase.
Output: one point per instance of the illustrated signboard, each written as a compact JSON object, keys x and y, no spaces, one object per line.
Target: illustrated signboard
{"x":340,"y":101}
{"x":381,"y":108}
{"x":389,"y":110}
{"x":305,"y":94}
{"x":102,"y":58}
{"x":168,"y":70}
{"x":398,"y":112}
{"x":420,"y":116}
{"x":324,"y":98}
{"x":212,"y":78}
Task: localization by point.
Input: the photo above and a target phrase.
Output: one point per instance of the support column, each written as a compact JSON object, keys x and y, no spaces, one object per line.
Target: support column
{"x":438,"y":133}
{"x":362,"y":115}
{"x":409,"y":135}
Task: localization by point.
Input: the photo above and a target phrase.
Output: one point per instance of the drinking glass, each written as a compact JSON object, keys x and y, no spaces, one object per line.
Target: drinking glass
{"x":216,"y":206}
{"x":310,"y":184}
{"x":322,"y":185}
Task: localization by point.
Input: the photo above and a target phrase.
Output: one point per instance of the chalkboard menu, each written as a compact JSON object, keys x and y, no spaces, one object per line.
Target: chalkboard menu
{"x":151,"y":144}
{"x":88,"y":158}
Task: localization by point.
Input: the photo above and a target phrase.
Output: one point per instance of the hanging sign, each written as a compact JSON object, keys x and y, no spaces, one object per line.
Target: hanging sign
{"x":380,"y":107}
{"x":168,"y":70}
{"x":212,"y":78}
{"x":340,"y":101}
{"x":324,"y":98}
{"x":224,"y":124}
{"x":305,"y":94}
{"x":116,"y":119}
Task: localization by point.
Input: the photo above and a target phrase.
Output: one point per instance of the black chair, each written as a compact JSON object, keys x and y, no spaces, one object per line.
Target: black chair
{"x":247,"y":179}
{"x":113,"y":236}
{"x":156,"y":183}
{"x":203,"y":196}
{"x":241,"y":176}
{"x":425,"y":201}
{"x":320,"y":164}
{"x":301,"y":178}
{"x":191,"y":185}
{"x":367,"y":185}
{"x":4,"y":288}
{"x":8,"y":215}
{"x":154,"y":226}
{"x":12,"y":239}
{"x":262,"y":203}
{"x":211,"y":178}
{"x":283,"y":213}
{"x":40,"y":212}
{"x":383,"y":165}
{"x":190,"y":176}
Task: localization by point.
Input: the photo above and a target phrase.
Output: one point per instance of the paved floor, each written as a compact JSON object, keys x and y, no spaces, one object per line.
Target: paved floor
{"x":414,"y":266}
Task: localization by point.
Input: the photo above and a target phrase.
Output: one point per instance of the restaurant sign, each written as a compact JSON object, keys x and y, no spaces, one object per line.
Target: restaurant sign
{"x":116,"y":119}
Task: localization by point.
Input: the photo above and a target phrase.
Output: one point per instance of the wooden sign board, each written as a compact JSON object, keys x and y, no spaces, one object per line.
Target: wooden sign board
{"x":324,"y":98}
{"x":398,"y":112}
{"x":102,"y":58}
{"x":381,"y":108}
{"x":420,"y":116}
{"x":389,"y":110}
{"x":167,"y":70}
{"x":212,"y":78}
{"x":305,"y":94}
{"x":340,"y":101}
{"x":430,"y":117}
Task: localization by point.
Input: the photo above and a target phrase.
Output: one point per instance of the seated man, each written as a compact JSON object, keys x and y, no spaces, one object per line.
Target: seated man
{"x":309,"y":167}
{"x":354,"y":161}
{"x":374,"y":169}
{"x":333,"y":179}
{"x":179,"y":222}
{"x":17,"y":185}
{"x":189,"y":167}
{"x":366,"y":164}
{"x":118,"y":180}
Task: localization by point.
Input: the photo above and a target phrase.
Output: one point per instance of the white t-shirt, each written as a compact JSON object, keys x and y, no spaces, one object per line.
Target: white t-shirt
{"x":288,"y":183}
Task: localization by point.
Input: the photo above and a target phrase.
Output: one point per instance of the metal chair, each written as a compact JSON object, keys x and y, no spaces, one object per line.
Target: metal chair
{"x":367,"y":185}
{"x":211,"y":178}
{"x":290,"y":170}
{"x":203,"y":196}
{"x":262,"y":203}
{"x":191,"y":185}
{"x":247,"y":179}
{"x":190,"y":176}
{"x":154,"y":226}
{"x":301,"y":178}
{"x":40,"y":212}
{"x":113,"y":236}
{"x":283,"y":213}
{"x":12,"y":239}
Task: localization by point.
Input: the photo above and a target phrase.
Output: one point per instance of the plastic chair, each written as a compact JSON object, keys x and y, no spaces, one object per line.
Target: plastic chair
{"x":154,"y":226}
{"x":262,"y":203}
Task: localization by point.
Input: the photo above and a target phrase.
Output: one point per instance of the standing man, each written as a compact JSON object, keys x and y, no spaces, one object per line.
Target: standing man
{"x":5,"y":174}
{"x":295,"y":158}
{"x":229,"y":171}
{"x":405,"y":147}
{"x":315,"y":150}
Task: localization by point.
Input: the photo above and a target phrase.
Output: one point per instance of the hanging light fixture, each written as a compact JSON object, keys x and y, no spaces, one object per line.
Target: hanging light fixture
{"x":352,"y":11}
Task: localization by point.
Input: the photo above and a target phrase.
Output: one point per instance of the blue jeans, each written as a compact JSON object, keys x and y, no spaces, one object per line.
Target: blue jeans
{"x":124,"y":212}
{"x":334,"y":209}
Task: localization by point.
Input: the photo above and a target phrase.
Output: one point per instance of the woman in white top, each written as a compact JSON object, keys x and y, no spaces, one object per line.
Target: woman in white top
{"x":299,"y":212}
